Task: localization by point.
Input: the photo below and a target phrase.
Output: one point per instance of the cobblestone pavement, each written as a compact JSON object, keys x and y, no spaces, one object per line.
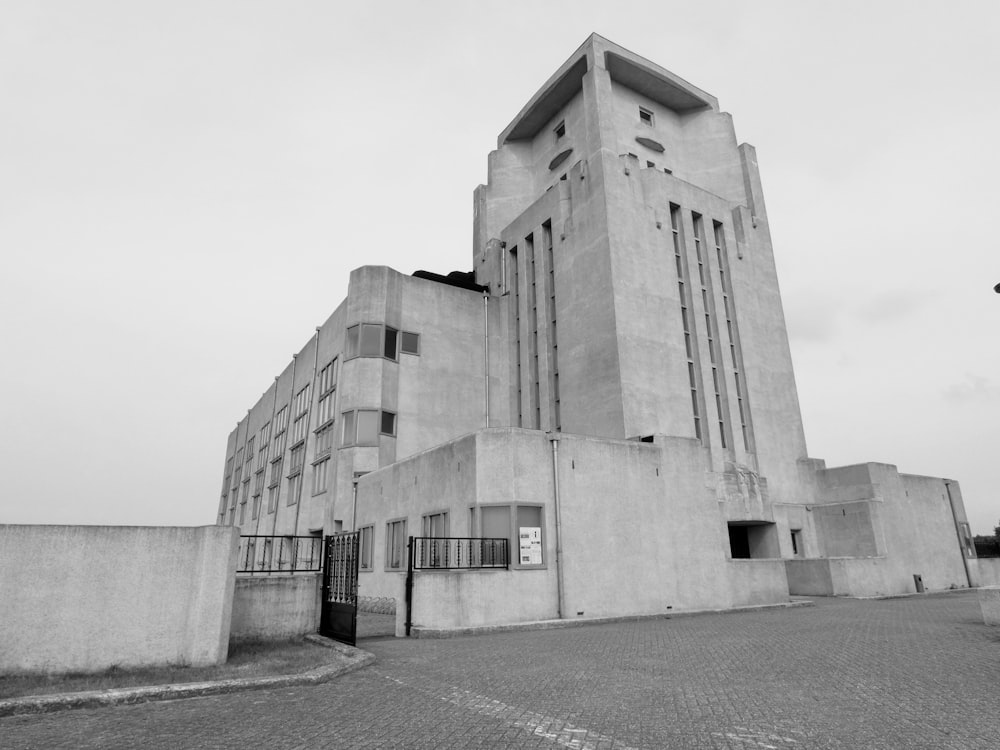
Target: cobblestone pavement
{"x":919,"y":672}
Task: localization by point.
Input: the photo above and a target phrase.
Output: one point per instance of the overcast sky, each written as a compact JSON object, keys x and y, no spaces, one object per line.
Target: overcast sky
{"x":185,"y":186}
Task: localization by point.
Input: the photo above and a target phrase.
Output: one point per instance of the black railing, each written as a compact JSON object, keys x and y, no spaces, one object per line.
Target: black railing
{"x":459,"y":553}
{"x":264,"y":555}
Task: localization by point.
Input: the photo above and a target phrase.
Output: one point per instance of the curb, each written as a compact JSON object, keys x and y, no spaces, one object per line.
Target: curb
{"x":42,"y":704}
{"x":419,"y":632}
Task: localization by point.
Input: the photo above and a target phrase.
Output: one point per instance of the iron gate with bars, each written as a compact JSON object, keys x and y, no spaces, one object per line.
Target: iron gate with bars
{"x":339,"y":614}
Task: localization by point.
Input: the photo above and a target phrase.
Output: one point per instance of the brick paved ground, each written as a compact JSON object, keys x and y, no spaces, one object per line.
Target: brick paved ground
{"x":920,"y":672}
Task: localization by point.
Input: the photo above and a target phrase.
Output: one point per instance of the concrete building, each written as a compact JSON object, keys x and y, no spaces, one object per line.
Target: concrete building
{"x":610,"y":388}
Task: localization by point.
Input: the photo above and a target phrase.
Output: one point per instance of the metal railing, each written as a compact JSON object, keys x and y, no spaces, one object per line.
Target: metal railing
{"x":459,"y":553}
{"x":264,"y":555}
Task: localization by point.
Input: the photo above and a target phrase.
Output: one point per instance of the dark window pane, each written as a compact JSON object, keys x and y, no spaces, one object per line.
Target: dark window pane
{"x":388,"y":423}
{"x":390,"y":343}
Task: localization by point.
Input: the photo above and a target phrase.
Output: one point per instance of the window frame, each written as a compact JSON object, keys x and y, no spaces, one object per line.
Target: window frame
{"x":513,"y":535}
{"x":414,"y":351}
{"x":350,"y":433}
{"x":389,"y":546}
{"x":366,"y":544}
{"x":389,"y":342}
{"x":646,"y":116}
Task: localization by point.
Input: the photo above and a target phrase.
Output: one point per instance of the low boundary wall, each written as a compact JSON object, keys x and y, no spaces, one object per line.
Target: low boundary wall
{"x":85,"y":598}
{"x":277,"y":606}
{"x":985,"y":571}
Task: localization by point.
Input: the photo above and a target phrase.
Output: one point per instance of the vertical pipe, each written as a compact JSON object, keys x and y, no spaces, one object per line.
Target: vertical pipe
{"x":486,"y":350}
{"x":958,"y":533}
{"x":409,"y":585}
{"x":554,"y":439}
{"x":354,"y":511}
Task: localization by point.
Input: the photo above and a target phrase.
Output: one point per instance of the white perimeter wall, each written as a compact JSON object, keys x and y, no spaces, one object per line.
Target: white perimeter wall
{"x":84,"y":598}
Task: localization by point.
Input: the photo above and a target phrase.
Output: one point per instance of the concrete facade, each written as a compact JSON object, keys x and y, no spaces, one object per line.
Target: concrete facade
{"x":615,"y":371}
{"x":85,"y":598}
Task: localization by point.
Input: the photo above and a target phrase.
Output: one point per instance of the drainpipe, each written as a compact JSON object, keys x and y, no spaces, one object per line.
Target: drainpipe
{"x":554,"y":439}
{"x":486,"y":350}
{"x":958,"y":533}
{"x":354,"y":512}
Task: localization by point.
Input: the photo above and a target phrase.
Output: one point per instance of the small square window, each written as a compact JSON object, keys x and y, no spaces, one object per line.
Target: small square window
{"x":645,"y":116}
{"x":409,"y":343}
{"x":650,"y":164}
{"x":560,"y":129}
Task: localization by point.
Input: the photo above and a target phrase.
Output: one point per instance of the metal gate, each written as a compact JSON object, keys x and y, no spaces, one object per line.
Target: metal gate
{"x":339,"y":615}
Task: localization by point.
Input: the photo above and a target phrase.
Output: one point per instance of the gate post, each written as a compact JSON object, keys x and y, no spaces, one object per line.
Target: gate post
{"x":409,"y":585}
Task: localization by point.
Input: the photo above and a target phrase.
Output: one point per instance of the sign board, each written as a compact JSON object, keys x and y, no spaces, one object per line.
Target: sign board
{"x":530,"y":538}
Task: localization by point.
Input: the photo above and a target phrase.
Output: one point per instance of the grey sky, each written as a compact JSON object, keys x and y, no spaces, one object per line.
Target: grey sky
{"x":184,"y":187}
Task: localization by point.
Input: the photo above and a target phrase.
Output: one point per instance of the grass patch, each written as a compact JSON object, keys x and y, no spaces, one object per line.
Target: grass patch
{"x":246,"y":659}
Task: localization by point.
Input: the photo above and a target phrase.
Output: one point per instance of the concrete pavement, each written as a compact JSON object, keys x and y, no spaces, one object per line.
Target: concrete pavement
{"x":918,"y":672}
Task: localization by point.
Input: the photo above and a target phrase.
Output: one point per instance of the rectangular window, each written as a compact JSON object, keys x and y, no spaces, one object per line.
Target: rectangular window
{"x":525,"y":538}
{"x":294,"y":488}
{"x":371,"y":340}
{"x":351,"y":342}
{"x":349,"y":435}
{"x":388,"y":423}
{"x":320,"y":476}
{"x":409,"y":343}
{"x":389,"y":347}
{"x":324,"y":440}
{"x":367,"y":427}
{"x":326,"y":404}
{"x":645,"y":116}
{"x":377,"y":340}
{"x":435,"y":525}
{"x":560,"y":129}
{"x":272,"y":497}
{"x":365,"y":539}
{"x":363,"y":426}
{"x":328,"y":377}
{"x":395,"y":544}
{"x":298,"y":459}
{"x":280,"y":424}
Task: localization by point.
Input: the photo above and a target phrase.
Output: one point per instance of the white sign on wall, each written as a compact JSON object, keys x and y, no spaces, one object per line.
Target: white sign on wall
{"x":530,"y":538}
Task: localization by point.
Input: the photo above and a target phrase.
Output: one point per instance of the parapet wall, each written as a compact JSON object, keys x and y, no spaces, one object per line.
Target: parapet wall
{"x":85,"y":598}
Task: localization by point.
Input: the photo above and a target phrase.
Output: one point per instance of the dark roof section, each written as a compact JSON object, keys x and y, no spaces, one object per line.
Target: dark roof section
{"x":461,"y":279}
